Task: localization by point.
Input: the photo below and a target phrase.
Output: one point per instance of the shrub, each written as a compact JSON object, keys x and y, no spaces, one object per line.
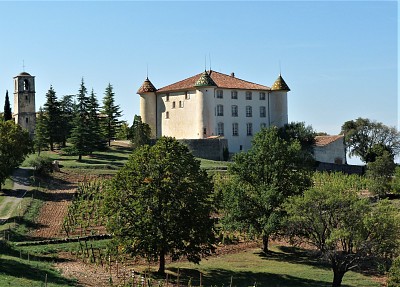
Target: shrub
{"x":394,"y":274}
{"x":42,"y":165}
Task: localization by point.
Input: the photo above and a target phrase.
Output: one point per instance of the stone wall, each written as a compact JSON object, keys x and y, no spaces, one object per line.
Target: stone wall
{"x":345,"y":168}
{"x":206,"y":148}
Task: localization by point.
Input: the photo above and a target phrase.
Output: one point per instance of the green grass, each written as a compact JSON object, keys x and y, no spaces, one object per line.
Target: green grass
{"x":286,"y":267}
{"x":17,"y":270}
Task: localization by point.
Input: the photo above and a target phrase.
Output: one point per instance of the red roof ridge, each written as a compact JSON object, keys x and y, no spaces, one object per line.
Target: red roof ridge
{"x":325,"y":140}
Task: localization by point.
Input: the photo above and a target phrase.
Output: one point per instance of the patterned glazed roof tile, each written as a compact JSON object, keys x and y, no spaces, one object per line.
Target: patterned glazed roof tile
{"x":280,"y":85}
{"x":146,"y":87}
{"x":221,"y":80}
{"x":326,"y":140}
{"x":204,"y":80}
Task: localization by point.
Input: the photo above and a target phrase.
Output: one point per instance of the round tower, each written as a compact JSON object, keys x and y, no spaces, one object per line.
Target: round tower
{"x":278,"y":106}
{"x":24,"y":101}
{"x":203,"y":94}
{"x":148,"y":105}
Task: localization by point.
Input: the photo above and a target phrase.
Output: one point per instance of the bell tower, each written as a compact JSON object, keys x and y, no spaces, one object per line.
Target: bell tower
{"x":24,"y":101}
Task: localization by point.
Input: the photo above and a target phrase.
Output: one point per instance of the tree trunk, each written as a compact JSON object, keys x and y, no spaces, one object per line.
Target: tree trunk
{"x":265,"y":239}
{"x":337,"y":278}
{"x":80,"y":157}
{"x":161,"y":269}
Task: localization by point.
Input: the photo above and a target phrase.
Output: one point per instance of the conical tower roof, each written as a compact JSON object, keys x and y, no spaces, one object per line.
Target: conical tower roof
{"x":147,"y":87}
{"x":205,"y":80}
{"x":280,"y":85}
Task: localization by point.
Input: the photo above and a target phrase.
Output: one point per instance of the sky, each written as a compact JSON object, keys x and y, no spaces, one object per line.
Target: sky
{"x":339,"y":58}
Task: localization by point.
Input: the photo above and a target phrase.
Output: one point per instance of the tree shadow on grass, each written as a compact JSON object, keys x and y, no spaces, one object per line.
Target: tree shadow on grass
{"x":16,"y":268}
{"x":222,"y":277}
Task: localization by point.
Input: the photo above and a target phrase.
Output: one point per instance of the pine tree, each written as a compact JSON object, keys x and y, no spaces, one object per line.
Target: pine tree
{"x":80,"y":136}
{"x":140,"y":132}
{"x":67,"y":115}
{"x":53,"y":118}
{"x":41,"y":138}
{"x":111,"y":113}
{"x":97,"y":142}
{"x":7,"y":109}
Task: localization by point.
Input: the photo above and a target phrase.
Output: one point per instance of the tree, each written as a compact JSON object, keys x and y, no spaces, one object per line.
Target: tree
{"x":41,"y":139}
{"x":110,"y":112}
{"x":80,"y":135}
{"x":67,"y":117}
{"x":140,"y":132}
{"x":95,"y":133}
{"x":7,"y":109}
{"x":15,"y":145}
{"x":53,"y":118}
{"x":299,"y":131}
{"x":345,"y":228}
{"x":124,"y":131}
{"x":366,"y":138}
{"x":159,"y":203}
{"x":259,"y":181}
{"x":380,"y":171}
{"x":394,"y":274}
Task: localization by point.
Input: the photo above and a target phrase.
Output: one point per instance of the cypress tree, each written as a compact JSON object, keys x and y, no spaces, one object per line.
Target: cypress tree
{"x":96,"y":136}
{"x":7,"y":109}
{"x":111,"y":113}
{"x":53,"y":118}
{"x":41,"y":137}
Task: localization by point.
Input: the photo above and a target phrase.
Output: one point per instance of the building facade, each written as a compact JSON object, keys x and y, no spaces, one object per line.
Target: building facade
{"x":24,"y":101}
{"x":330,"y":149}
{"x":213,"y":104}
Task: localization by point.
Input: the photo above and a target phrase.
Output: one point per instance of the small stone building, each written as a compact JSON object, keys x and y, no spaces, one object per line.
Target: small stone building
{"x":330,"y":149}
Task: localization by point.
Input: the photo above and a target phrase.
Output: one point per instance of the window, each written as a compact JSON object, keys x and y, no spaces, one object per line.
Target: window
{"x":220,"y":110}
{"x":167,"y":97}
{"x":187,"y":96}
{"x":234,"y":111}
{"x":234,"y":95}
{"x":220,"y":94}
{"x":204,"y":131}
{"x":181,"y":104}
{"x":263,"y":112}
{"x":249,"y":129}
{"x":27,"y":120}
{"x":248,"y":96}
{"x":249,"y":111}
{"x":167,"y":115}
{"x":26,"y":85}
{"x":173,"y":105}
{"x":262,"y":96}
{"x":235,"y":129}
{"x":26,"y":97}
{"x":263,"y":125}
{"x":220,"y":129}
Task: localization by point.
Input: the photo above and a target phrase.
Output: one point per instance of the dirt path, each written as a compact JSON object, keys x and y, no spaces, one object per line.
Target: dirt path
{"x":21,"y":184}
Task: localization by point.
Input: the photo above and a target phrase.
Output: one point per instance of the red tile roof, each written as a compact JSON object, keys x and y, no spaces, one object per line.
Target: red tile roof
{"x":221,"y":80}
{"x":325,"y":140}
{"x":146,"y":87}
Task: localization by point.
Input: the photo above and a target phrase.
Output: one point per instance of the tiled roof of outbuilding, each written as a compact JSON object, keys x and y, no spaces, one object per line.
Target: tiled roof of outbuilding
{"x":221,"y":80}
{"x":146,"y":87}
{"x":325,"y":140}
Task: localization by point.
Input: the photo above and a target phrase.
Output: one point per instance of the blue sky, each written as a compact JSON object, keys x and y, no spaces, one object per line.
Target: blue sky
{"x":340,"y":59}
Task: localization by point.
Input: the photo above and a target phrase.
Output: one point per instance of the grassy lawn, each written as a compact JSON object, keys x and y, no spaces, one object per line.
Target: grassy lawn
{"x":283,"y":267}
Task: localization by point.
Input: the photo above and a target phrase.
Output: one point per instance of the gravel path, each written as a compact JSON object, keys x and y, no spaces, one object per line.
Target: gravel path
{"x":12,"y":199}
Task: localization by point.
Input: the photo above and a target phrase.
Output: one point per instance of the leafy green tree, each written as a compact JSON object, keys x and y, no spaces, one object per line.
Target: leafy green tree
{"x":80,"y":135}
{"x":345,"y":228}
{"x":95,"y":133}
{"x":53,"y":118}
{"x":159,"y":203}
{"x":367,"y":139}
{"x":380,"y":171}
{"x":259,"y":181}
{"x":110,"y":112}
{"x":40,"y":139}
{"x":140,"y":132}
{"x":124,"y":131}
{"x":395,"y":184}
{"x":67,"y":117}
{"x":7,"y":115}
{"x":299,"y":131}
{"x":15,"y":145}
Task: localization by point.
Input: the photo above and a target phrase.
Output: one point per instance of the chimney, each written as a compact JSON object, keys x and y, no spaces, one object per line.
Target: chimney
{"x":232,"y":74}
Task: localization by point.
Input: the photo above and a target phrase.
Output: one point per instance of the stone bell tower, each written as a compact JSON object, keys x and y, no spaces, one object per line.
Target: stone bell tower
{"x":24,"y":101}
